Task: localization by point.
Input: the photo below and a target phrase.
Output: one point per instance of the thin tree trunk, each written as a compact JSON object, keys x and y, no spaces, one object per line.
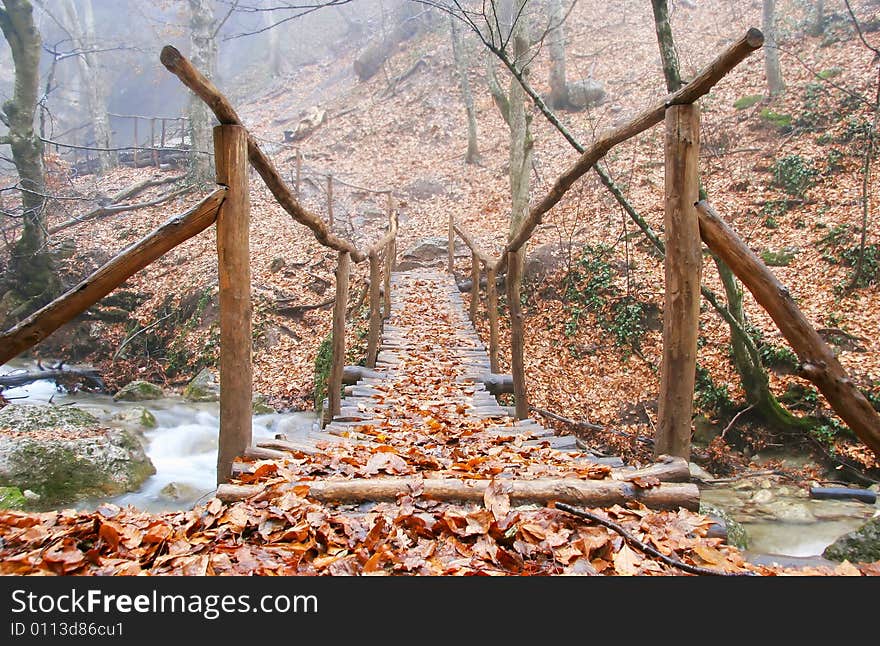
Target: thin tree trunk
{"x":556,"y":49}
{"x":473,"y":153}
{"x":775,"y":84}
{"x":203,"y":52}
{"x":82,"y":27}
{"x":29,"y":272}
{"x":668,"y":56}
{"x":817,"y":28}
{"x":273,"y":46}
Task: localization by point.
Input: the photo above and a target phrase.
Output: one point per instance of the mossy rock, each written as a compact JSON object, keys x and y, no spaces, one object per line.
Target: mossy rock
{"x":139,"y":391}
{"x":735,"y":532}
{"x":260,"y":406}
{"x":147,"y":418}
{"x":776,"y":119}
{"x":860,"y":546}
{"x":137,"y":417}
{"x":205,"y":387}
{"x":12,"y":498}
{"x":63,"y":455}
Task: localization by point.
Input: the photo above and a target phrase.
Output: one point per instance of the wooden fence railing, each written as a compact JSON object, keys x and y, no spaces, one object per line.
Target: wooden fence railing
{"x":686,"y":223}
{"x":229,"y":207}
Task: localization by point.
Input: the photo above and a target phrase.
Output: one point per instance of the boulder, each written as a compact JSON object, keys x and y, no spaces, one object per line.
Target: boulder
{"x":585,"y":93}
{"x":137,"y":417}
{"x":860,"y":546}
{"x":260,"y":406}
{"x":11,"y":498}
{"x":428,"y":251}
{"x":63,"y":454}
{"x":725,"y":526}
{"x":205,"y":387}
{"x":139,"y":391}
{"x":541,"y":262}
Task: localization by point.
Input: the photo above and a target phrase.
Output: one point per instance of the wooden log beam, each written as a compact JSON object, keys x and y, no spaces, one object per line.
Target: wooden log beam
{"x":192,"y":78}
{"x":817,"y":361}
{"x":375,"y":312}
{"x":586,"y":493}
{"x":289,"y":446}
{"x":353,"y":374}
{"x":450,"y":246}
{"x":702,"y":83}
{"x":66,"y":374}
{"x":683,"y":262}
{"x":105,"y":279}
{"x":498,"y":384}
{"x":484,"y":257}
{"x":517,"y":340}
{"x":234,"y":272}
{"x":334,"y":382}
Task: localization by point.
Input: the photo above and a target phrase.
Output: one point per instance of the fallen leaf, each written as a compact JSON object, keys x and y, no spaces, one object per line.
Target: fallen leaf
{"x":496,"y":498}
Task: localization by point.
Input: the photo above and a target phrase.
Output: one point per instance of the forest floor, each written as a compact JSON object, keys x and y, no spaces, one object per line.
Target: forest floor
{"x":583,"y":360}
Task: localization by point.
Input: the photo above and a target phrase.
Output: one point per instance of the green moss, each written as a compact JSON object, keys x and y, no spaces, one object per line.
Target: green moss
{"x":12,"y":498}
{"x":860,"y":546}
{"x":26,"y":418}
{"x":205,"y":387}
{"x":747,"y":101}
{"x":138,"y":391}
{"x":322,"y":371}
{"x":736,"y":533}
{"x":776,"y":119}
{"x":777,"y":258}
{"x":147,"y":419}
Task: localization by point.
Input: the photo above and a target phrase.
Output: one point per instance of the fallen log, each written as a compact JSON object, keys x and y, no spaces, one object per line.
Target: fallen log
{"x":498,"y":384}
{"x":105,"y":279}
{"x":817,"y":361}
{"x":353,"y":374}
{"x":22,"y":378}
{"x":290,"y":447}
{"x":586,"y":493}
{"x":843,"y":493}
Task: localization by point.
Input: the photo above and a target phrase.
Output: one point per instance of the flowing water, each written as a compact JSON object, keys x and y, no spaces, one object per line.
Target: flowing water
{"x":182,"y":446}
{"x":778,"y":518}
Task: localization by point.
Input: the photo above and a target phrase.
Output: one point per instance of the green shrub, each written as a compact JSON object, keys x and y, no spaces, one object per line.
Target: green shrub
{"x":794,"y":175}
{"x":781,"y":258}
{"x":323,"y":360}
{"x":709,"y":396}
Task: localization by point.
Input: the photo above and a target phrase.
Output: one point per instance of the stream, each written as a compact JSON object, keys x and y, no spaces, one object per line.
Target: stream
{"x":182,"y":445}
{"x":780,"y":519}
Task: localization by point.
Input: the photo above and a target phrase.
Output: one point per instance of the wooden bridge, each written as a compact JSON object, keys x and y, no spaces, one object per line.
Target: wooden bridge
{"x":425,"y":410}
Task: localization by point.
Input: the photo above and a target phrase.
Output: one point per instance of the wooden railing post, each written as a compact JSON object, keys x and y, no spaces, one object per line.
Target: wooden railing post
{"x":375,"y":314}
{"x":517,"y":341}
{"x":233,"y":255}
{"x":450,"y":253}
{"x":492,"y":306}
{"x":475,"y":287}
{"x":330,"y":199}
{"x":334,"y":382}
{"x":134,"y":153}
{"x":390,"y":258}
{"x":681,"y":312}
{"x":154,"y":152}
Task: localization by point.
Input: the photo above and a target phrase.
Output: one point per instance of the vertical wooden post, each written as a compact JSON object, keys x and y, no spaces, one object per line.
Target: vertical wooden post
{"x":334,"y":382}
{"x":450,"y":265}
{"x":162,"y":136}
{"x":681,"y":312}
{"x":234,"y":269}
{"x":375,"y":314}
{"x":134,"y":154}
{"x":517,"y":342}
{"x":153,"y":142}
{"x":330,"y":199}
{"x":299,"y":160}
{"x":390,"y":258}
{"x":492,"y":306}
{"x":475,"y":287}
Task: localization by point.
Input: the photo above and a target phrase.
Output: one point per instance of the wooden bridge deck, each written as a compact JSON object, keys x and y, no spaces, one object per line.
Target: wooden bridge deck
{"x":427,"y":407}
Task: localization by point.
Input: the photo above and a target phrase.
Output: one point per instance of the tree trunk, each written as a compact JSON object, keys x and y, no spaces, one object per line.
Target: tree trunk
{"x":753,"y":376}
{"x":556,"y":47}
{"x":30,"y":268}
{"x":775,"y":84}
{"x":668,"y":56}
{"x":818,"y":363}
{"x":379,"y":49}
{"x":334,"y":381}
{"x":517,"y":338}
{"x":273,"y":45}
{"x":203,"y":52}
{"x":82,"y":27}
{"x":473,"y":153}
{"x":817,"y":27}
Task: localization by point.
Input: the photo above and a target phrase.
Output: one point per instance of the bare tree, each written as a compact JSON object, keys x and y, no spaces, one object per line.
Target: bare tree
{"x":775,"y":84}
{"x":461,"y":67}
{"x":30,"y":269}
{"x":81,"y":27}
